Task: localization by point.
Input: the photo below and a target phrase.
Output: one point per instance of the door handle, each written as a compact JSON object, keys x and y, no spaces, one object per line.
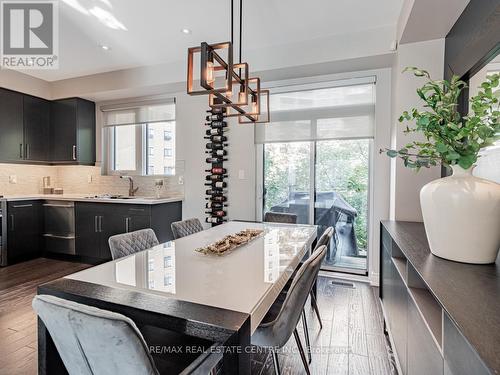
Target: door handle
{"x":12,"y":223}
{"x":100,"y":223}
{"x":74,"y":152}
{"x":95,"y":224}
{"x":127,"y":224}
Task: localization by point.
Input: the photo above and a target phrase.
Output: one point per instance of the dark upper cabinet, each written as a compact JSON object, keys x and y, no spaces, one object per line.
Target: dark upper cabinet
{"x":11,"y":126}
{"x":23,"y":230}
{"x":36,"y":128}
{"x":72,"y":131}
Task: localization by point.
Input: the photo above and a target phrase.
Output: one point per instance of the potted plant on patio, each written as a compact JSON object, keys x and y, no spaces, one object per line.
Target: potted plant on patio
{"x":461,"y":212}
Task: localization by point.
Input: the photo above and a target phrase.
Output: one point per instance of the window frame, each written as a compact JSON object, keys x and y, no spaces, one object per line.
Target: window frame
{"x":142,"y":134}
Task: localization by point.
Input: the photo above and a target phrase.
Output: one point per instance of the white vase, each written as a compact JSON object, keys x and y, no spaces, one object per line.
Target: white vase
{"x":462,"y":217}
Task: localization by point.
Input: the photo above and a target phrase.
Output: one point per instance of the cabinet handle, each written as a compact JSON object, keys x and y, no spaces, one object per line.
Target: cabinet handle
{"x":74,"y":152}
{"x":127,"y":224}
{"x":95,"y":224}
{"x":12,"y":223}
{"x":22,"y":205}
{"x":100,"y":223}
{"x":20,"y":150}
{"x":27,"y":151}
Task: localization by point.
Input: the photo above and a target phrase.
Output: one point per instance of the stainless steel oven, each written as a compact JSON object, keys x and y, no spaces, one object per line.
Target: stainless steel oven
{"x":59,"y":226}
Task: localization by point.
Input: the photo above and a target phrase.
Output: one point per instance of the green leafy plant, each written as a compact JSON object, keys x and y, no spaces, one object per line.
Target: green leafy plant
{"x":450,"y":138}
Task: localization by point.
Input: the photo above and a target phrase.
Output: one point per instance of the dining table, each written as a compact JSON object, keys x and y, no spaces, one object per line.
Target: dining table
{"x":174,"y":286}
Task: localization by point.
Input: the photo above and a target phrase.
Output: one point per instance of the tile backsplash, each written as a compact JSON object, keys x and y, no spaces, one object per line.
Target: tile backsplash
{"x":78,"y":179}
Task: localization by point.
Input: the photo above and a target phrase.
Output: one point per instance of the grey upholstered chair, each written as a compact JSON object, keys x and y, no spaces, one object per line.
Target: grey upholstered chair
{"x":94,"y":341}
{"x":281,"y":321}
{"x":185,"y":228}
{"x":129,"y":243}
{"x":324,"y":240}
{"x":280,"y":217}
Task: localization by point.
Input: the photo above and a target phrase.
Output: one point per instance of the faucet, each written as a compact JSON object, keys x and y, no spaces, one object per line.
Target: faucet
{"x":131,"y":190}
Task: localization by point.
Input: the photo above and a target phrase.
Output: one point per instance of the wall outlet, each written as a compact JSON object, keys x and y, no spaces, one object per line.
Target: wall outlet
{"x":89,"y":178}
{"x":181,"y":180}
{"x":241,"y":174}
{"x":13,"y":179}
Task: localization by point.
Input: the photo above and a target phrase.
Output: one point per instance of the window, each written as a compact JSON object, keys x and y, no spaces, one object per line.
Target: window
{"x":316,"y":162}
{"x":138,"y":138}
{"x":167,"y":261}
{"x":167,"y":280}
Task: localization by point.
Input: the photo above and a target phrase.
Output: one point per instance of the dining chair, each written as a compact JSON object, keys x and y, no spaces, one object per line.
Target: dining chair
{"x":280,"y":217}
{"x":92,"y":341}
{"x":324,"y":240}
{"x":281,"y":321}
{"x":185,"y":228}
{"x":132,"y":242}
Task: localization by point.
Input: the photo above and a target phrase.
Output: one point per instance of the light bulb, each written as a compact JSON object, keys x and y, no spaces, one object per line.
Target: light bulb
{"x":210,"y":73}
{"x":241,"y":97}
{"x":255,"y":106}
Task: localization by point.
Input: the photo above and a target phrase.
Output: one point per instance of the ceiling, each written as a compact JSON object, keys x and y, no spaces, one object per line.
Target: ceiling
{"x":142,"y":33}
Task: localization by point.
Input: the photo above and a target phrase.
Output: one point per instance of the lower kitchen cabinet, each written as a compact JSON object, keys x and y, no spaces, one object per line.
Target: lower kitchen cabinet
{"x":23,"y":230}
{"x":96,"y":222}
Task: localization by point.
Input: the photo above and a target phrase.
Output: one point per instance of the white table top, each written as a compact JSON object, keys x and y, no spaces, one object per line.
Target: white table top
{"x":246,"y":280}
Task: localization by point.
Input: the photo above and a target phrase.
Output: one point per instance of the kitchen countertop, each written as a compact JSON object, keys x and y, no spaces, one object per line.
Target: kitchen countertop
{"x":88,"y":198}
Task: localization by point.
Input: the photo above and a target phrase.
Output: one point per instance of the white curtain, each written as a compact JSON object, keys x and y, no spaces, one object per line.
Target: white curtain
{"x":331,"y":110}
{"x":139,"y":112}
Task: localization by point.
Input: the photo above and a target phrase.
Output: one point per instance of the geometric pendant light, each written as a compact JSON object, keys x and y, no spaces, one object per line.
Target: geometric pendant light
{"x":228,"y":84}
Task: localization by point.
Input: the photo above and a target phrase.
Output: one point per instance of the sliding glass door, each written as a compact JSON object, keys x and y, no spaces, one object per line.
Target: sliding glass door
{"x":316,"y":164}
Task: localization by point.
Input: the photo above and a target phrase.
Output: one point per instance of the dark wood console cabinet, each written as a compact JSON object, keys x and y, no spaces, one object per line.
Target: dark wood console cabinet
{"x":442,"y":317}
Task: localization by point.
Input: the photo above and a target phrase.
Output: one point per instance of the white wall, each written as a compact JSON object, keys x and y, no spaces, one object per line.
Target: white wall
{"x":16,"y":81}
{"x":407,"y":183}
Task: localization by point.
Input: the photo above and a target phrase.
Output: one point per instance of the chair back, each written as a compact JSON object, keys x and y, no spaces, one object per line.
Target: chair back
{"x":280,"y":217}
{"x":92,"y":341}
{"x":185,"y":228}
{"x":278,"y":332}
{"x":325,"y":238}
{"x":130,"y":243}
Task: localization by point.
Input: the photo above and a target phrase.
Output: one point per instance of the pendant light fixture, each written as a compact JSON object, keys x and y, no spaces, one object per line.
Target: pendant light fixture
{"x":228,"y":84}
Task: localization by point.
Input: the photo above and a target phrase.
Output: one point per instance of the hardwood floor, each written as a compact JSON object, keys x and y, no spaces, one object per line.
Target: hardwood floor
{"x":18,"y":335}
{"x":351,"y":341}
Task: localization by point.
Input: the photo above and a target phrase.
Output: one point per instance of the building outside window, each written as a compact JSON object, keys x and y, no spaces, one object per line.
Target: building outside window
{"x":134,"y":136}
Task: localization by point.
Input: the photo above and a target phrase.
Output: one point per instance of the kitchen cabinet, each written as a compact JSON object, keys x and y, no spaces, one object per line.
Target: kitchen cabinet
{"x":36,"y":116}
{"x":96,"y":222}
{"x":23,"y":230}
{"x":72,"y":131}
{"x":11,"y":126}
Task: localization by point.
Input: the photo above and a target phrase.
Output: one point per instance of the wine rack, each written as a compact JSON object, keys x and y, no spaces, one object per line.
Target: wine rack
{"x":216,"y":179}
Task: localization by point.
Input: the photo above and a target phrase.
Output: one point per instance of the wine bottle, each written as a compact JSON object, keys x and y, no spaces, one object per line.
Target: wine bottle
{"x":214,"y":160}
{"x":219,"y":213}
{"x":216,"y":131}
{"x":214,"y":220}
{"x":215,"y":146}
{"x":215,"y":205}
{"x":217,"y":198}
{"x":217,"y":124}
{"x":217,"y":138}
{"x":215,"y":117}
{"x":217,"y":184}
{"x":214,"y":191}
{"x":217,"y":152}
{"x":217,"y":170}
{"x":215,"y":177}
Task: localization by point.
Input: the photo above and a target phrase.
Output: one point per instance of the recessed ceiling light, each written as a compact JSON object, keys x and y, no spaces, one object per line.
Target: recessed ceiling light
{"x":186,"y":31}
{"x":105,"y":47}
